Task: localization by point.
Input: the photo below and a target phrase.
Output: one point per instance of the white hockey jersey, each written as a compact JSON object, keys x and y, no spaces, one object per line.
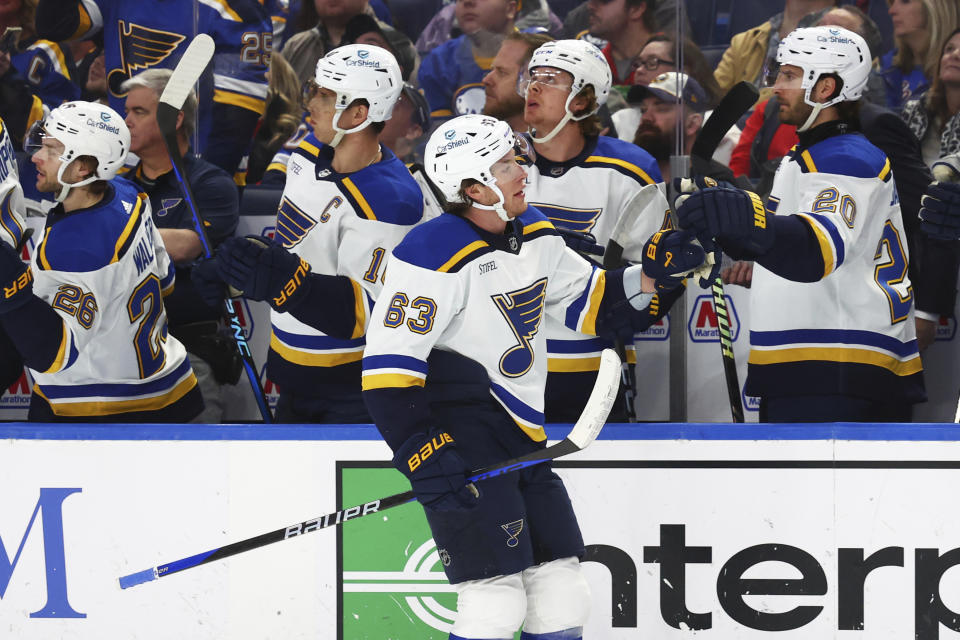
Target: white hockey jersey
{"x":448,"y":288}
{"x":852,"y":332}
{"x":590,"y":193}
{"x":104,"y":270}
{"x":342,"y":224}
{"x":12,"y":210}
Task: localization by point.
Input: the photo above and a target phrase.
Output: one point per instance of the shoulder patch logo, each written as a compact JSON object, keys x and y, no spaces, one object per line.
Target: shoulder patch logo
{"x":523,"y":311}
{"x":293,"y":224}
{"x":582,"y":220}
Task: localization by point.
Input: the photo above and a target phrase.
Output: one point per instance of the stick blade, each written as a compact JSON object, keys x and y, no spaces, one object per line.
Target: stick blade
{"x":189,"y":69}
{"x":601,"y":400}
{"x":738,"y":100}
{"x":132,"y":580}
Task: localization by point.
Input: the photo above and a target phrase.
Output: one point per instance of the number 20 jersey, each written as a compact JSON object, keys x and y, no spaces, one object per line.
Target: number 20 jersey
{"x":343,"y":225}
{"x":104,"y":269}
{"x":851,"y":332}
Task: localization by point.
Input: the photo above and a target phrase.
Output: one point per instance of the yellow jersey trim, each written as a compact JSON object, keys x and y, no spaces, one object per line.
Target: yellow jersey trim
{"x":537,"y":435}
{"x":590,"y":319}
{"x":313,"y":359}
{"x":364,"y":205}
{"x":459,"y":255}
{"x":885,"y":170}
{"x":629,"y":166}
{"x":808,"y":160}
{"x":257,"y":105}
{"x":837,"y":354}
{"x":57,"y":363}
{"x":390,"y":380}
{"x":359,"y":310}
{"x":131,"y":225}
{"x":824,"y":241}
{"x":536,"y":226}
{"x":72,"y":409}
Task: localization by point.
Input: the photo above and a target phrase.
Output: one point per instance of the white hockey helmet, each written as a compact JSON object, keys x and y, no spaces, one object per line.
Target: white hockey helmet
{"x":585,"y":63}
{"x":827,"y":50}
{"x":467,"y":147}
{"x":84,"y":129}
{"x":356,"y":71}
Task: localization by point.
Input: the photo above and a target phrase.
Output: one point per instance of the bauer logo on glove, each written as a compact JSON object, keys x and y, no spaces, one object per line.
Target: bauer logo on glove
{"x":429,"y":447}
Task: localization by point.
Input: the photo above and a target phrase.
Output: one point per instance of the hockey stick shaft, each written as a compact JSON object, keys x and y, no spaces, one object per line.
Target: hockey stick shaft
{"x":731,"y":108}
{"x":188,"y":71}
{"x":584,"y":432}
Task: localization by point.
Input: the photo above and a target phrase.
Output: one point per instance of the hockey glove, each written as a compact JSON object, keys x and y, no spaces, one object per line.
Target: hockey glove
{"x":580,"y":241}
{"x":16,"y":280}
{"x":669,"y":257}
{"x":940,"y":211}
{"x":735,"y":218}
{"x":263,"y":270}
{"x":437,"y":473}
{"x":205,"y":276}
{"x":947,"y":168}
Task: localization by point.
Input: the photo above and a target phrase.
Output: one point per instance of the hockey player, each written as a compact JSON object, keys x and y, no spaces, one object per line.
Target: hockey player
{"x":143,"y":34}
{"x":347,"y":202}
{"x":88,"y":316}
{"x":474,"y":284}
{"x":831,"y":314}
{"x":585,"y":182}
{"x":12,"y":225}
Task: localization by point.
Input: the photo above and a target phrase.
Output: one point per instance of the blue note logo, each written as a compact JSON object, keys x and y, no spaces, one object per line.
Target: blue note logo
{"x":513,"y":530}
{"x":523,"y":311}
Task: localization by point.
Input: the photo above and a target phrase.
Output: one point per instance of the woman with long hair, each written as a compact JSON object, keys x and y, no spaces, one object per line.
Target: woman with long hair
{"x":920,"y":27}
{"x":935,"y":117}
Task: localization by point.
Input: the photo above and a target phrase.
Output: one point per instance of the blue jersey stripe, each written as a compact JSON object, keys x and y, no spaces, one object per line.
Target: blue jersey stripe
{"x":394,"y":362}
{"x":517,"y":406}
{"x":834,"y":235}
{"x":316,"y":342}
{"x":116,"y":390}
{"x":792,"y":337}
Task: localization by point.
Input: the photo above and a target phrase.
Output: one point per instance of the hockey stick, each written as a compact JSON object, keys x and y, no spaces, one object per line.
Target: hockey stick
{"x":613,"y":259}
{"x":731,"y":108}
{"x":584,"y":432}
{"x":188,"y":71}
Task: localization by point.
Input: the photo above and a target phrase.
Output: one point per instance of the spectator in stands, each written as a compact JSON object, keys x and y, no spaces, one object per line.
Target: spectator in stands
{"x":935,"y":117}
{"x":321,"y":26}
{"x":533,"y":16}
{"x":19,"y":106}
{"x":408,"y":123}
{"x":919,"y":28}
{"x":626,"y":25}
{"x":500,"y":84}
{"x":753,"y":52}
{"x":283,"y":120}
{"x":670,"y":98}
{"x":451,"y":75}
{"x":142,"y":34}
{"x":577,"y":23}
{"x":656,"y":58}
{"x":191,"y":320}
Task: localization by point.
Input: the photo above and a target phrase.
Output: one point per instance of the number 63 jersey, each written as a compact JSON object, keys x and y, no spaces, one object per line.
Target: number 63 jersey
{"x":104,"y":270}
{"x":852,"y":331}
{"x":484,"y":296}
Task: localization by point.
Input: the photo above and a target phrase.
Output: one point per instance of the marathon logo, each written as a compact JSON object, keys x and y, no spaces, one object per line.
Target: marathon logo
{"x":103,"y":126}
{"x":657,"y":332}
{"x":703,"y":325}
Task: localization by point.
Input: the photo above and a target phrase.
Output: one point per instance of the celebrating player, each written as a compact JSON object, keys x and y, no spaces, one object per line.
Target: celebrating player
{"x":475,"y":284}
{"x":347,"y":202}
{"x":831,"y":314}
{"x":87,"y":316}
{"x":11,"y":232}
{"x":585,"y":182}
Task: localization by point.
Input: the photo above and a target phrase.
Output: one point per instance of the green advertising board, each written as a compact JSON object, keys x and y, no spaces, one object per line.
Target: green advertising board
{"x":390,"y":580}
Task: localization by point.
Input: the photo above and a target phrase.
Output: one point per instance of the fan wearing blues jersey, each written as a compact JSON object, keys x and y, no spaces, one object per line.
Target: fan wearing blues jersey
{"x":585,"y":182}
{"x":347,"y":201}
{"x":832,"y":334}
{"x":454,"y":372}
{"x":87,"y":316}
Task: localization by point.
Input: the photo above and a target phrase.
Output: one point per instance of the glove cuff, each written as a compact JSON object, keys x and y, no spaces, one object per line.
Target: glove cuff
{"x":17,"y":292}
{"x":420,"y":448}
{"x":294,"y":291}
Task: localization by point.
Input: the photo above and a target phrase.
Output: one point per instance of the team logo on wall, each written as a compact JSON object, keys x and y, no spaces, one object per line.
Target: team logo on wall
{"x":658,"y":331}
{"x":946,"y":329}
{"x":703,"y":326}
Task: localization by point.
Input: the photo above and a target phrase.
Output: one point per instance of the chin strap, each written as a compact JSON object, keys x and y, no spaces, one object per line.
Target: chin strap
{"x":497,"y":206}
{"x":341,"y":132}
{"x":563,"y":121}
{"x":65,"y":187}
